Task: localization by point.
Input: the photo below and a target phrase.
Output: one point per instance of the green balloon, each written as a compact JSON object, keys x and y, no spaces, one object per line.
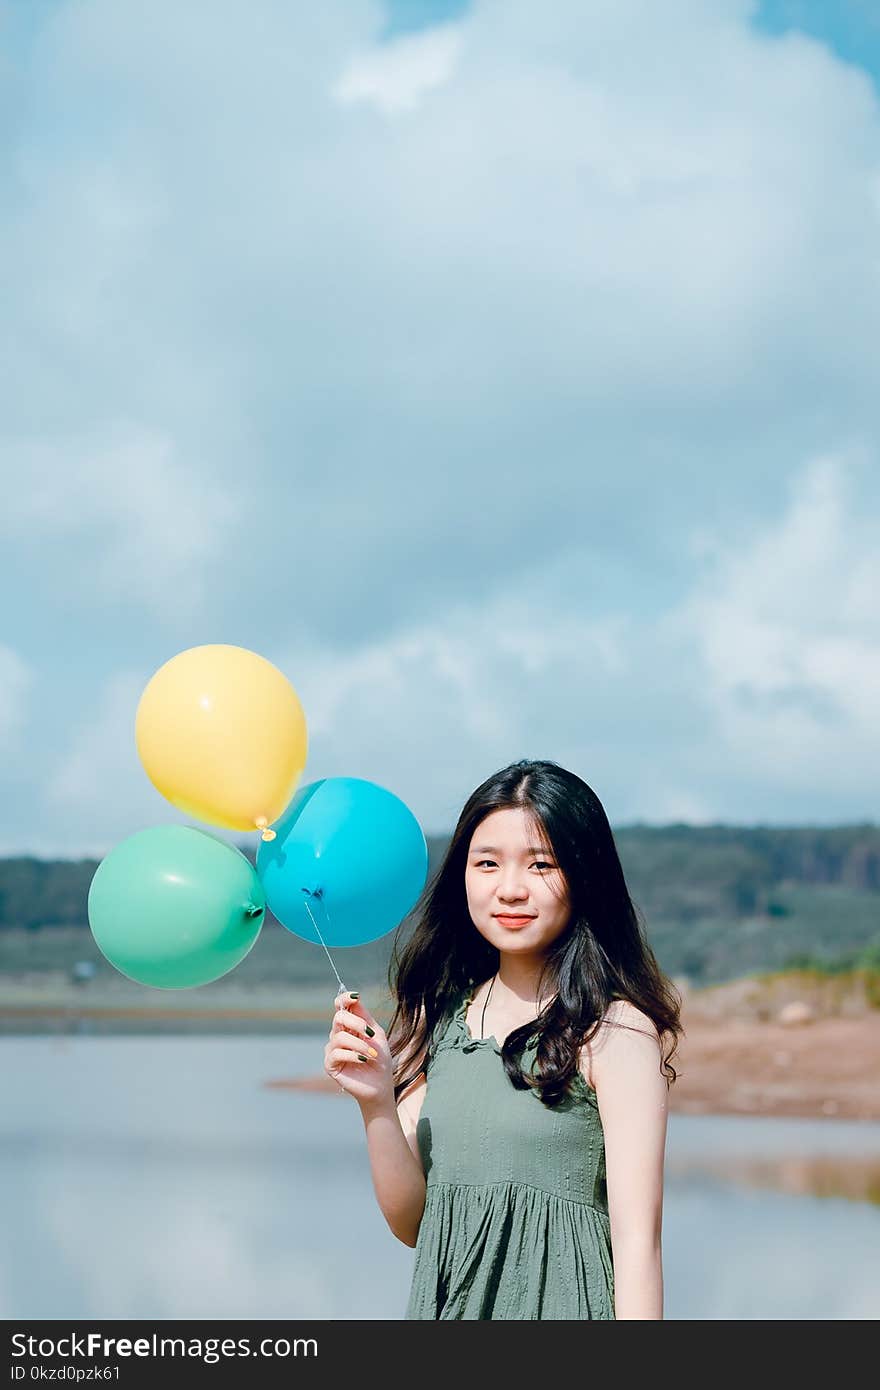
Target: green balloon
{"x":174,"y":907}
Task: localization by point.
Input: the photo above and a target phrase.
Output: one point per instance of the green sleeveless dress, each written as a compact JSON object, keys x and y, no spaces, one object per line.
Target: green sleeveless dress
{"x":516,"y":1223}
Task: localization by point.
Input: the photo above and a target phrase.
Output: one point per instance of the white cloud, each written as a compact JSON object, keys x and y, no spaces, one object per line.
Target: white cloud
{"x":395,"y":76}
{"x":451,"y":409}
{"x":583,"y":264}
{"x":759,"y":686}
{"x":789,"y":639}
{"x":16,"y":681}
{"x":755,"y":690}
{"x":436,"y":705}
{"x":684,"y":806}
{"x":99,"y":790}
{"x":153,"y":522}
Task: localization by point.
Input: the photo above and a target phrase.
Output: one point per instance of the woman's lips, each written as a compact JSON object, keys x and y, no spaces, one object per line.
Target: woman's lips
{"x":512,"y":921}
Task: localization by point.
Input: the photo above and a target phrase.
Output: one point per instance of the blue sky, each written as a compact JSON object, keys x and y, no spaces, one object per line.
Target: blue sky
{"x":505,"y":373}
{"x":850,"y":28}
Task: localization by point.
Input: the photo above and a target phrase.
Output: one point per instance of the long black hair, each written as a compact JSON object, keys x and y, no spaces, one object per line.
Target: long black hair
{"x":602,"y":955}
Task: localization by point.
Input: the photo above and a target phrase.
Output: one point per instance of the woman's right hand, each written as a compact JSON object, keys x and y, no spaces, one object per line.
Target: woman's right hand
{"x":355,"y":1035}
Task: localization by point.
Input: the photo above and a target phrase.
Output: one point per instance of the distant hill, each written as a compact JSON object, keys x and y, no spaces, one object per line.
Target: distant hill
{"x":717,"y":901}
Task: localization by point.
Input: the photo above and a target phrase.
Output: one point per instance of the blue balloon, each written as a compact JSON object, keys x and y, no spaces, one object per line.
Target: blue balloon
{"x":350,"y":853}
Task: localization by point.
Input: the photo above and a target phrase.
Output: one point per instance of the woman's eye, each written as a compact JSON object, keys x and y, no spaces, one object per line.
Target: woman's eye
{"x":541,"y":863}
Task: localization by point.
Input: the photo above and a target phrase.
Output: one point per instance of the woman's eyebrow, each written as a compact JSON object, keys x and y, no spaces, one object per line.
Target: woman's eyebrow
{"x":492,"y":849}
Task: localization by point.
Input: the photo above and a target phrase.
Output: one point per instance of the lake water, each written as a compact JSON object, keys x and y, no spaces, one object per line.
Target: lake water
{"x":159,"y":1177}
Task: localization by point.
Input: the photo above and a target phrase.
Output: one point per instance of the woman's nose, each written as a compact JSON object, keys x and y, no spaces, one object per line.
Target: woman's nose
{"x":512,"y":890}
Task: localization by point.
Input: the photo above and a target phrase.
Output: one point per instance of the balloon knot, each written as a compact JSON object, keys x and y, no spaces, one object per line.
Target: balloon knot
{"x":261,"y":824}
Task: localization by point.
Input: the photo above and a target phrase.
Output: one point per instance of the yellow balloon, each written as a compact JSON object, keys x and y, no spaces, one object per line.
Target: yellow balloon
{"x":222,"y":735}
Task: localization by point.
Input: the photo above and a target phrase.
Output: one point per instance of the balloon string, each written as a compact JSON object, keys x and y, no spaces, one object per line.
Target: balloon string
{"x":320,"y":937}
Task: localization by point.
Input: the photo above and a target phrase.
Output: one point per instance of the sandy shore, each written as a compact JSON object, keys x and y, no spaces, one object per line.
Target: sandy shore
{"x":828,"y":1067}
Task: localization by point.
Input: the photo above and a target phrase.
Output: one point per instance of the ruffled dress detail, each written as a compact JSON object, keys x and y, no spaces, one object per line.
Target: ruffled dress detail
{"x":516,"y":1223}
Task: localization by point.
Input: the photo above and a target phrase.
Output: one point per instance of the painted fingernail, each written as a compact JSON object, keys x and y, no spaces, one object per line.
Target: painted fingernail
{"x":360,"y":1058}
{"x":372,"y":1051}
{"x":371,"y":1032}
{"x":354,"y":994}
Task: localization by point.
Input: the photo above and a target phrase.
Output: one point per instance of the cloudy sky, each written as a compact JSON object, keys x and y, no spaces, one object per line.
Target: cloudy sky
{"x":505,"y":373}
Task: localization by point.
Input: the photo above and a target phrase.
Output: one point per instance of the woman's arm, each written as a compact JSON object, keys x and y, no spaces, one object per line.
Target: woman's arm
{"x":398,"y":1176}
{"x":632,"y":1093}
{"x":360,"y":1061}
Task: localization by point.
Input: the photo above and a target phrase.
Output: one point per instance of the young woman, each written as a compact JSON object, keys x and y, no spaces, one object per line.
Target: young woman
{"x":515,"y":1111}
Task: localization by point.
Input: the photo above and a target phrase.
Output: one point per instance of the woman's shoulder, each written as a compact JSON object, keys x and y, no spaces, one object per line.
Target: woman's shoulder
{"x":622,"y":1022}
{"x":623,"y":1014}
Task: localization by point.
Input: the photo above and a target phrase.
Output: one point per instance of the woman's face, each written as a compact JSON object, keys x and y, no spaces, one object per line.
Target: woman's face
{"x":512,"y":873}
